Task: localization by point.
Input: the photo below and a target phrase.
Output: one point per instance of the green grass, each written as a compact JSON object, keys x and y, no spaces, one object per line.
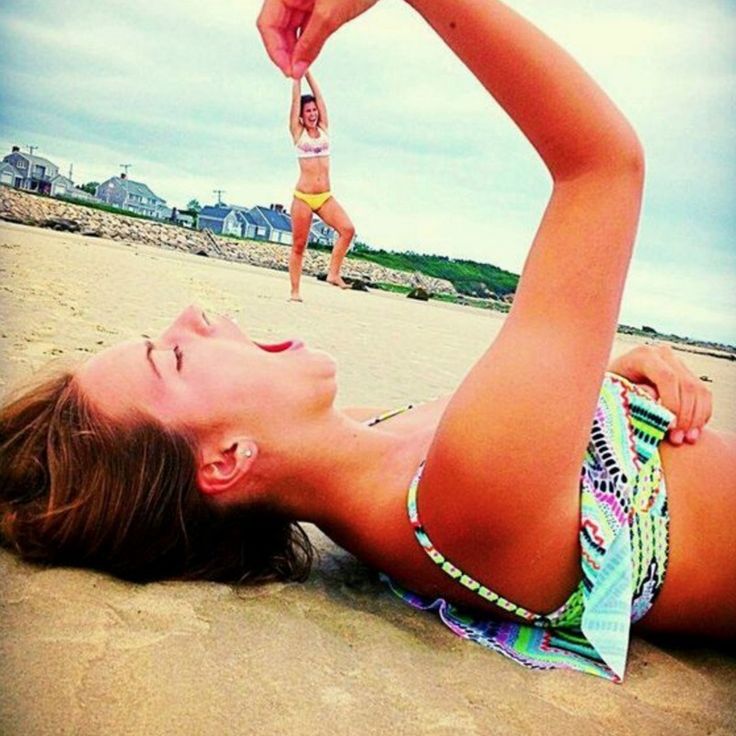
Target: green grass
{"x":468,"y":277}
{"x":106,"y":208}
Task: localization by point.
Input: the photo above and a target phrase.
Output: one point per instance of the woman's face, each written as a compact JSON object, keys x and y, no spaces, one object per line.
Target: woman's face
{"x":310,"y":115}
{"x":204,"y":374}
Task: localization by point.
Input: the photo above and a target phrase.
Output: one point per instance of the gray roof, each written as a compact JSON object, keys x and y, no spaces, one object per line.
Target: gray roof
{"x":215,"y":212}
{"x":248,"y":218}
{"x":277,"y":220}
{"x":61,"y":178}
{"x":34,"y":160}
{"x":134,"y":187}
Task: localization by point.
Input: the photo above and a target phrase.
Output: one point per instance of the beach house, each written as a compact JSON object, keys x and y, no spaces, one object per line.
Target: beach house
{"x":221,"y":219}
{"x":322,"y":234}
{"x":31,"y":172}
{"x":254,"y":227}
{"x":63,"y":186}
{"x":9,"y":175}
{"x":134,"y":196}
{"x":275,"y":220}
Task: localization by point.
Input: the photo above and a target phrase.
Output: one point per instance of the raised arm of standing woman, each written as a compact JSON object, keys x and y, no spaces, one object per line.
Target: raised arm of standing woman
{"x":319,"y":100}
{"x":295,"y":127}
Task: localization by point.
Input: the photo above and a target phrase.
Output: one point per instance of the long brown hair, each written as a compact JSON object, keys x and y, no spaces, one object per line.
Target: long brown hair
{"x":79,"y":489}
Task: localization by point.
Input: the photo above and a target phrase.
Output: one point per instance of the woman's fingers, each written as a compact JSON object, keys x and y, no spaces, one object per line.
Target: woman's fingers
{"x":278,"y":23}
{"x":294,"y":31}
{"x":316,"y":31}
{"x":693,"y":405}
{"x":674,"y":384}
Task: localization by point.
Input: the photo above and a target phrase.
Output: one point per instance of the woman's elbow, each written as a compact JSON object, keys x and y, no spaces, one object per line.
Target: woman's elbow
{"x":618,"y":156}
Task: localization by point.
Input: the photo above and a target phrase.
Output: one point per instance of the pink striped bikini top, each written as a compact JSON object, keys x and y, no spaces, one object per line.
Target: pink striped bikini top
{"x":308,"y":147}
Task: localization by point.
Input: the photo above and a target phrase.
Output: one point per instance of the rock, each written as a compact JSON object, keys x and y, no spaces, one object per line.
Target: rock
{"x":90,"y":233}
{"x":321,"y":276}
{"x":358,"y":285}
{"x":10,"y":217}
{"x":419,"y":293}
{"x":61,"y":224}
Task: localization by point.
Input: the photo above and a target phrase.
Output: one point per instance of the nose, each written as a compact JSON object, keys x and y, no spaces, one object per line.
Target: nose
{"x":191,"y":321}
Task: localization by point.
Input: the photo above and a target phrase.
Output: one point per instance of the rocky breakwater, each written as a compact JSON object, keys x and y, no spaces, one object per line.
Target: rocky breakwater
{"x":30,"y":209}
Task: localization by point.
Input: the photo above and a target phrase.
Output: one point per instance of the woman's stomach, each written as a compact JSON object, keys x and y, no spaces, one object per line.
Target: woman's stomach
{"x":314,"y":175}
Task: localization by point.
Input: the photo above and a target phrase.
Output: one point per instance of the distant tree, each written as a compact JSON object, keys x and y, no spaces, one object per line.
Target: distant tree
{"x":90,"y":187}
{"x":193,"y":205}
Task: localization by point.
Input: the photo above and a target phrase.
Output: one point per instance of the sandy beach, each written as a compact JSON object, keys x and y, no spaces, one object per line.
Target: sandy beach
{"x":85,"y":654}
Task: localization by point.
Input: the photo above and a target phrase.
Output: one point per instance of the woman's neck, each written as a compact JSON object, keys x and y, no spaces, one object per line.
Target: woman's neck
{"x":350,"y":479}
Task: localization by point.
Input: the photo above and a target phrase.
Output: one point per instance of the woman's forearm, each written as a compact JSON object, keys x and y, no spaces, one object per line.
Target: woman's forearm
{"x":559,"y":108}
{"x":312,"y":82}
{"x":296,"y":94}
{"x":319,"y":100}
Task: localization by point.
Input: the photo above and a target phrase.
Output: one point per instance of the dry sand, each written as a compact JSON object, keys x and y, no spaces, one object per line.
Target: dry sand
{"x":81,"y":653}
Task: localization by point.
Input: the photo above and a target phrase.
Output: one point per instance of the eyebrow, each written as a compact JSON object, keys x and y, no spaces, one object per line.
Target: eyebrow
{"x":149,"y":358}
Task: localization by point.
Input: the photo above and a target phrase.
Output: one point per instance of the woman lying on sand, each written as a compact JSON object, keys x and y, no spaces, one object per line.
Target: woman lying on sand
{"x":537,"y":507}
{"x":308,"y":127}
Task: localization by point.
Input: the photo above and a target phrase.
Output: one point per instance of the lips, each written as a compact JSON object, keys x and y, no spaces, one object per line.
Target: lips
{"x":280,"y":347}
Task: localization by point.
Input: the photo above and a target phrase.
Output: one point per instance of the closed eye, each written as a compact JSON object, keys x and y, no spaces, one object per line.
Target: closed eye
{"x":179,"y":355}
{"x":149,"y":356}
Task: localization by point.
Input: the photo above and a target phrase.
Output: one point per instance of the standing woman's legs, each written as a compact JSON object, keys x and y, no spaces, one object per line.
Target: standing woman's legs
{"x":335,"y":216}
{"x":301,"y":222}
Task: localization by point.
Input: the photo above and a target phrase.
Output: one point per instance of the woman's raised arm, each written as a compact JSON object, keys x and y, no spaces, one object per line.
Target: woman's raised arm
{"x":319,"y":100}
{"x":295,"y":127}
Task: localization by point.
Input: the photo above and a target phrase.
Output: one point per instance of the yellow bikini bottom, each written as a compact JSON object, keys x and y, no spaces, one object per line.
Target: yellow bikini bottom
{"x":315,"y":201}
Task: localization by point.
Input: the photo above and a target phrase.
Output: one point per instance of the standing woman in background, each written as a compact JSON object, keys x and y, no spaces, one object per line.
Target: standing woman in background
{"x":308,"y":126}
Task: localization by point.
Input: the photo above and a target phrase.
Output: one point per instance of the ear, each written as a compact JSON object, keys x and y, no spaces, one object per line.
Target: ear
{"x":222,"y":470}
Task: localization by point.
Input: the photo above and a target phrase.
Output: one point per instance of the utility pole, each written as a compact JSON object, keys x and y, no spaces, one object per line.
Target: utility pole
{"x":31,"y":149}
{"x":71,"y":171}
{"x":219,"y":192}
{"x":126,"y":167}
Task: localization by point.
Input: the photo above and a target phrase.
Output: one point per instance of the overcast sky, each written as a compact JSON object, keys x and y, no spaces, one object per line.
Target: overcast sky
{"x":422,"y":158}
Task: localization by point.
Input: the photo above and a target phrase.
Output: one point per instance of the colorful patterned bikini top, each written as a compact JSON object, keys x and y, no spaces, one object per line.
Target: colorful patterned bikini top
{"x":624,"y":545}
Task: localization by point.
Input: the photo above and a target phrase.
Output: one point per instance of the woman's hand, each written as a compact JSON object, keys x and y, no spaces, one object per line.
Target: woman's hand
{"x":674,"y":384}
{"x":294,"y":31}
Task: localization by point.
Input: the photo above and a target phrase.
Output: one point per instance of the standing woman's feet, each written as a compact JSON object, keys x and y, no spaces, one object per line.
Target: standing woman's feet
{"x":295,"y":297}
{"x":337,"y":281}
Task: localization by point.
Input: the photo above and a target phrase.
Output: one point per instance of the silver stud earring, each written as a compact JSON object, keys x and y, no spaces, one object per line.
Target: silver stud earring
{"x":246,"y":452}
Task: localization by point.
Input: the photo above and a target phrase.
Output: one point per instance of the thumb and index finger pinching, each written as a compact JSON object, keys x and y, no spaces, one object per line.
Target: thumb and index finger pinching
{"x":294,"y":31}
{"x":292,"y":37}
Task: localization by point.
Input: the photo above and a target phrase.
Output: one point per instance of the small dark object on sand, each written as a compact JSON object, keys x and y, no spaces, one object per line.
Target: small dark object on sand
{"x":357,"y":284}
{"x":706,"y":379}
{"x":61,"y":224}
{"x":419,"y":293}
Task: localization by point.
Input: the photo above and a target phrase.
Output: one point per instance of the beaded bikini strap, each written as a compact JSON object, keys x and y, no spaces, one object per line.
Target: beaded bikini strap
{"x":453,"y":570}
{"x":388,"y":415}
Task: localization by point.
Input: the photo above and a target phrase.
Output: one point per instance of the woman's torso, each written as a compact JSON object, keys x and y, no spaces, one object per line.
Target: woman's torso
{"x":314,"y":170}
{"x":540,"y":568}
